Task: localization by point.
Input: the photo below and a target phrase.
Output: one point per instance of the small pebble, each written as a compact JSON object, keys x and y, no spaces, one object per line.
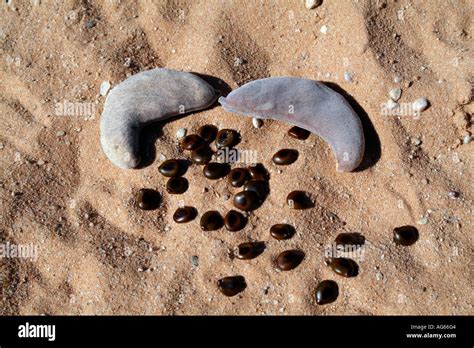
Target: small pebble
{"x":420,"y":105}
{"x":211,"y":221}
{"x":289,"y":259}
{"x":298,"y":200}
{"x":312,"y":4}
{"x":60,"y":133}
{"x":422,"y":221}
{"x":231,"y":286}
{"x":395,"y":94}
{"x":467,"y":139}
{"x":257,"y":122}
{"x":285,"y":157}
{"x":246,"y":200}
{"x":298,"y":133}
{"x":416,"y":141}
{"x":347,"y":77}
{"x":40,"y":162}
{"x":249,"y":250}
{"x":327,"y":291}
{"x":397,"y":79}
{"x":1,"y":146}
{"x":127,"y":62}
{"x":148,"y":199}
{"x":177,"y":185}
{"x":195,"y":260}
{"x":181,"y":133}
{"x":282,"y":231}
{"x":208,"y":132}
{"x":234,"y":221}
{"x":405,"y":235}
{"x":324,"y":29}
{"x":453,"y":194}
{"x":184,"y":214}
{"x":104,"y":88}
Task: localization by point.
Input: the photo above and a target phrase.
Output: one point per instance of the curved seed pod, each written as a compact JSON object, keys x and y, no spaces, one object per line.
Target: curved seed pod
{"x":147,"y":97}
{"x":307,"y":104}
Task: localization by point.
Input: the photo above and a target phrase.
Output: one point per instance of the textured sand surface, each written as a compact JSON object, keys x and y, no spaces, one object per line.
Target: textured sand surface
{"x":98,"y":254}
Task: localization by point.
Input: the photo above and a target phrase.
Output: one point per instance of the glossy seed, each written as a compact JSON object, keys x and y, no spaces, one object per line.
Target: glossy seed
{"x":148,"y":199}
{"x":184,"y":214}
{"x":285,"y":157}
{"x":249,"y":250}
{"x":405,"y":235}
{"x":231,"y":286}
{"x":246,"y":200}
{"x":346,"y":238}
{"x":208,"y":133}
{"x":282,"y":231}
{"x":227,"y":138}
{"x":298,"y":133}
{"x":201,"y":155}
{"x":211,"y":221}
{"x":234,"y":221}
{"x":327,"y":291}
{"x":344,"y":267}
{"x":215,"y":170}
{"x":289,"y":259}
{"x":260,"y":187}
{"x":238,"y":176}
{"x":171,"y":168}
{"x":258,"y":172}
{"x":177,"y":185}
{"x":299,"y":200}
{"x":191,"y":142}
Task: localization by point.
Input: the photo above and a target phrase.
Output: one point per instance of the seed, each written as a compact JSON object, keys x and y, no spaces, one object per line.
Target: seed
{"x":350,"y":239}
{"x":289,"y":259}
{"x":405,"y":235}
{"x":327,"y":291}
{"x":238,"y":176}
{"x":260,"y":187}
{"x":184,"y":214}
{"x":234,"y":221}
{"x":227,"y":138}
{"x":298,"y":133}
{"x":299,"y":200}
{"x":177,"y":185}
{"x":208,"y":133}
{"x":148,"y":199}
{"x":246,"y":200}
{"x":215,"y":170}
{"x":201,"y":155}
{"x":258,"y":172}
{"x":282,"y":231}
{"x":285,"y":157}
{"x":211,"y":221}
{"x":191,"y":142}
{"x":171,"y":168}
{"x":344,"y":267}
{"x":231,"y":286}
{"x":250,"y":250}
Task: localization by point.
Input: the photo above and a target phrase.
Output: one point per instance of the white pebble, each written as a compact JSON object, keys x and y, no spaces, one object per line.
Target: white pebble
{"x":420,"y":104}
{"x":324,"y":29}
{"x":60,"y":133}
{"x":162,"y":158}
{"x":104,"y":88}
{"x":181,"y":133}
{"x":1,"y":146}
{"x":416,"y":141}
{"x":395,"y":94}
{"x":40,"y":162}
{"x":467,"y":139}
{"x":347,"y":76}
{"x":397,"y":79}
{"x":310,"y":4}
{"x":422,"y":221}
{"x":257,"y":122}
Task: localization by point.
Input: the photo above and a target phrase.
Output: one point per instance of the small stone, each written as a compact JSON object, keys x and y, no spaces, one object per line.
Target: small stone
{"x":467,"y":139}
{"x":395,"y":94}
{"x":104,"y":88}
{"x":1,"y":146}
{"x":422,"y":221}
{"x":312,"y":4}
{"x":420,"y":104}
{"x":397,"y":79}
{"x":195,"y":260}
{"x":60,"y":133}
{"x":324,"y":29}
{"x":347,"y":76}
{"x":90,"y":24}
{"x":453,"y":194}
{"x":128,"y":62}
{"x":181,"y":133}
{"x":416,"y":141}
{"x":40,"y":162}
{"x":238,"y":61}
{"x":257,"y":122}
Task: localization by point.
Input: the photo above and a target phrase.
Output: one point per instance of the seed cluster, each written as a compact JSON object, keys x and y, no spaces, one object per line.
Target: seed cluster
{"x":255,"y":183}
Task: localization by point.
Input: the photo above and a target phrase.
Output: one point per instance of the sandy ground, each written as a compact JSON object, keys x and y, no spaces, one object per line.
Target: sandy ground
{"x":98,"y":254}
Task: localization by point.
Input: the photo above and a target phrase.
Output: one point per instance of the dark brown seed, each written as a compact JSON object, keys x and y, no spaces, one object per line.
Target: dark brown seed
{"x":191,"y":142}
{"x":231,"y":286}
{"x":260,"y":187}
{"x":148,"y":199}
{"x":299,"y":200}
{"x":184,"y":214}
{"x":355,"y":239}
{"x":238,"y":176}
{"x":344,"y":267}
{"x":211,"y":221}
{"x":327,"y":291}
{"x":208,"y":133}
{"x":201,"y":155}
{"x":171,"y":168}
{"x":258,"y":172}
{"x":298,"y":133}
{"x":282,"y":231}
{"x":234,"y":221}
{"x":177,"y":185}
{"x":289,"y":259}
{"x":405,"y":235}
{"x":250,"y":250}
{"x":215,"y":170}
{"x":246,"y":200}
{"x":285,"y":157}
{"x":227,"y":138}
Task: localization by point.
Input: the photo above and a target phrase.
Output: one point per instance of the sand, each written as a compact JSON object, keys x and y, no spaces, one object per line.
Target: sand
{"x":99,"y":254}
